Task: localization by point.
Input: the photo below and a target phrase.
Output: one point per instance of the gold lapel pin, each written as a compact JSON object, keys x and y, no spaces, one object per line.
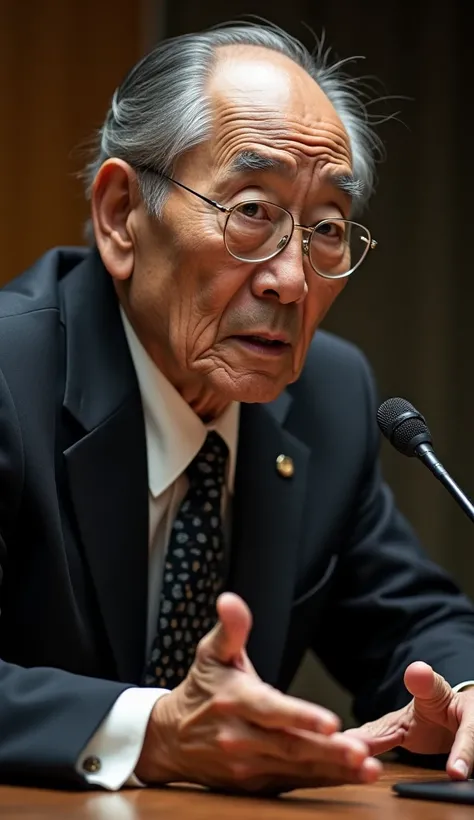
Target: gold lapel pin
{"x":285,"y":466}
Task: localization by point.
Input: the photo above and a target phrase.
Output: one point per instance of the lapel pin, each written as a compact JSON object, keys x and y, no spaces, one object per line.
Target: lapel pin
{"x":285,"y":466}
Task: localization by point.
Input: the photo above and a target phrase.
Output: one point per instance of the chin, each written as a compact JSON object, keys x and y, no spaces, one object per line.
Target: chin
{"x":249,"y":388}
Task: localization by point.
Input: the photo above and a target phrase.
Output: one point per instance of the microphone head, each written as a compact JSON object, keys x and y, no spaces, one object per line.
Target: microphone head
{"x":403,"y":425}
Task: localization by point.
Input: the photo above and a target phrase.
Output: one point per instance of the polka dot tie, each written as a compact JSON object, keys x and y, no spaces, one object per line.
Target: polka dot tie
{"x":192,"y":577}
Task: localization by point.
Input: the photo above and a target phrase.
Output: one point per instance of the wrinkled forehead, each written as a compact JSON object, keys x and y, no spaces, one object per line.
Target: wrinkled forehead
{"x":262,"y":98}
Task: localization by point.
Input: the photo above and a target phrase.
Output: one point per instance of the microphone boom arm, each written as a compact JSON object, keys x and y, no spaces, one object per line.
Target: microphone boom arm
{"x":427,"y":455}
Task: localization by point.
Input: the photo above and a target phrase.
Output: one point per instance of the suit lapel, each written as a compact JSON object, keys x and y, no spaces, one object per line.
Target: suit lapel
{"x":107,"y":466}
{"x":267,"y":521}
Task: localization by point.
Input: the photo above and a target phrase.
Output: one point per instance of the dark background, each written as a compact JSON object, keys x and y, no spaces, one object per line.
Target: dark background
{"x":409,"y":307}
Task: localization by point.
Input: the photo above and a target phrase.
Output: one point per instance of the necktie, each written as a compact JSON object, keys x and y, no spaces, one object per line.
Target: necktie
{"x":192,"y":577}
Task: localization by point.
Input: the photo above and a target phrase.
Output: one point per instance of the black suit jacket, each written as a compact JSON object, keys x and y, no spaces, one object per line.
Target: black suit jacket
{"x":323,"y":559}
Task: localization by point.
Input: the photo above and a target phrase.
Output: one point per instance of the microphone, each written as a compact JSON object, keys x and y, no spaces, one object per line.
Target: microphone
{"x":407,"y":431}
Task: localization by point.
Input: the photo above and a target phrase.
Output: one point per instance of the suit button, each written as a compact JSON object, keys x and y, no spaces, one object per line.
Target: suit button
{"x":92,"y":764}
{"x":285,"y":466}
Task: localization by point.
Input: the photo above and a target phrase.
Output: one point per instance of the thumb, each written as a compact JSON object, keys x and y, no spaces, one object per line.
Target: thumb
{"x":430,"y":690}
{"x":226,"y":642}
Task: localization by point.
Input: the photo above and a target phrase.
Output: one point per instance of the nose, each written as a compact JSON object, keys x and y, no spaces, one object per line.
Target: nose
{"x":283,"y":277}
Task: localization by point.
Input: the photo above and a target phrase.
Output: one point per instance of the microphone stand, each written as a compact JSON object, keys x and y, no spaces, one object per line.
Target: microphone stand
{"x":427,"y":455}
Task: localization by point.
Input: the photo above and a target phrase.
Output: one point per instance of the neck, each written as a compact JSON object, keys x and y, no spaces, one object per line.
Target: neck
{"x":203,"y":400}
{"x":207,"y":406}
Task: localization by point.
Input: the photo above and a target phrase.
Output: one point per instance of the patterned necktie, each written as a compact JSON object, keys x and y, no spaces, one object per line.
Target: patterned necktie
{"x":192,"y":577}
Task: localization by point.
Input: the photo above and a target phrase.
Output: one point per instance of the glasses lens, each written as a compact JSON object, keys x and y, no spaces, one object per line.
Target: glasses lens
{"x":338,"y":246}
{"x":257,"y":230}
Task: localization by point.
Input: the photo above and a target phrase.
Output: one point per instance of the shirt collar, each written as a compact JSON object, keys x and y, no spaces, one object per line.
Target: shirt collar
{"x":174,"y":433}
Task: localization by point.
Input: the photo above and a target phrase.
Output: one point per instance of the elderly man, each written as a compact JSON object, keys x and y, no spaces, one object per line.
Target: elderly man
{"x":190,"y":494}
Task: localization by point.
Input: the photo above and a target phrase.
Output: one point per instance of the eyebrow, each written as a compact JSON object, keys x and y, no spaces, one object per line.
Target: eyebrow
{"x":249,"y":160}
{"x":253,"y":161}
{"x":347,"y":183}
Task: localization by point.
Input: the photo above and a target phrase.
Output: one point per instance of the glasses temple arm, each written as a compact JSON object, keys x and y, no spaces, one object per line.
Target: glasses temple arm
{"x":181,"y":185}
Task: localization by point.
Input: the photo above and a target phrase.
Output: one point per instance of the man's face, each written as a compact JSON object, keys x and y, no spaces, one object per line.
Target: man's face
{"x":203,"y":315}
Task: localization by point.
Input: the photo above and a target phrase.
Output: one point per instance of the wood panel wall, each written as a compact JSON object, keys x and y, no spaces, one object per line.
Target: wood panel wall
{"x":60,"y":61}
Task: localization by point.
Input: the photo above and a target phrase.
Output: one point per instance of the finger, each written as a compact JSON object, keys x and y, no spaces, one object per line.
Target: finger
{"x":430,"y":690}
{"x":244,"y":740}
{"x":382,"y":734}
{"x":379,"y":736}
{"x":332,"y":774}
{"x":266,"y":776}
{"x":258,"y":703}
{"x":461,"y":758}
{"x":226,"y":642}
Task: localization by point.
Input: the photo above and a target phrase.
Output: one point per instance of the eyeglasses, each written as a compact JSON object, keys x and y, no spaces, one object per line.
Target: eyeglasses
{"x":257,"y":230}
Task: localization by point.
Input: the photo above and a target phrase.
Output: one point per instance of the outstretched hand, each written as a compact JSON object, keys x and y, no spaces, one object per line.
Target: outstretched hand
{"x":225,"y":728}
{"x":436,"y":721}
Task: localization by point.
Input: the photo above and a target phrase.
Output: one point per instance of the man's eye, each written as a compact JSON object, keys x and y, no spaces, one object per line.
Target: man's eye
{"x":253,"y":210}
{"x":328,"y":229}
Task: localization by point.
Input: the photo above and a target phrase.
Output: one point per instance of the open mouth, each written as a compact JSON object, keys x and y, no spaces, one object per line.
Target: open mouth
{"x":262,"y":344}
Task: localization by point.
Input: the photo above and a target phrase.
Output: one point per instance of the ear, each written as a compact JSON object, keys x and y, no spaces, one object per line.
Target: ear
{"x":115,"y":198}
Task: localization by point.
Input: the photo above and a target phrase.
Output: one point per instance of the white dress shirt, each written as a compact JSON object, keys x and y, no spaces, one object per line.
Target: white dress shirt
{"x":174,"y":436}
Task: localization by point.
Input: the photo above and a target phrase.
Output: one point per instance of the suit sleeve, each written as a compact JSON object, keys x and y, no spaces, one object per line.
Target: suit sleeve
{"x":47,"y":716}
{"x":391,"y":604}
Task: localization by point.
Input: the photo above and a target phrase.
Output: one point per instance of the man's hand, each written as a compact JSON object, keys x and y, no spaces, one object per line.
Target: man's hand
{"x":436,"y":721}
{"x":224,"y":728}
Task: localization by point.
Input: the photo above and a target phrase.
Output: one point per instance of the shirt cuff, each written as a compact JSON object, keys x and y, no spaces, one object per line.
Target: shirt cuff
{"x":110,"y":757}
{"x":464,"y":685}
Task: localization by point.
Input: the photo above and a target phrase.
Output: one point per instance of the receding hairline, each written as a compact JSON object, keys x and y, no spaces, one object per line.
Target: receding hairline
{"x":230,"y":53}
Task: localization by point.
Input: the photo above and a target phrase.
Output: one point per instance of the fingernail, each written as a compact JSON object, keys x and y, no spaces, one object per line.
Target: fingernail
{"x":327,"y":724}
{"x":354,"y":756}
{"x":371,"y":770}
{"x":462,"y":768}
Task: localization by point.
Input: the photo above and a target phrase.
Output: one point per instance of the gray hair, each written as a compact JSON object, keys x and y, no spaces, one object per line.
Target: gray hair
{"x":161,"y":109}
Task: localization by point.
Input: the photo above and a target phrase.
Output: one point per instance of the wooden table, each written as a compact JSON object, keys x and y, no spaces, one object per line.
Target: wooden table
{"x":351,"y":802}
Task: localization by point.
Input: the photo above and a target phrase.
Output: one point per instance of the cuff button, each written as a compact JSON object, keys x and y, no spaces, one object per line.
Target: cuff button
{"x":91,"y":765}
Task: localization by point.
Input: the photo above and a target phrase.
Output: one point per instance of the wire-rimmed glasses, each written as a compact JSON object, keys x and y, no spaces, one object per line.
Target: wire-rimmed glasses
{"x":256,"y":230}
